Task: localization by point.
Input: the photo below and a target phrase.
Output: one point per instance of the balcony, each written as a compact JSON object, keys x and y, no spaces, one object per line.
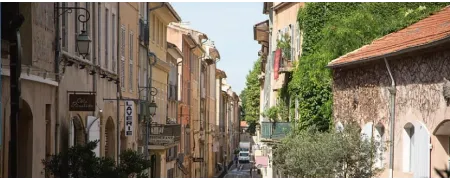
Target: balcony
{"x":143,"y":32}
{"x":170,"y":136}
{"x":286,"y":62}
{"x":274,"y":131}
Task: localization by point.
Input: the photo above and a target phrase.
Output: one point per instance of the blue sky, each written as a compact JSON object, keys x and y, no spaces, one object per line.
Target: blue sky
{"x":230,"y":26}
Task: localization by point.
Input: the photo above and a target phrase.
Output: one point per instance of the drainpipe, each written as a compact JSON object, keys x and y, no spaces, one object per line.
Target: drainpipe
{"x":119,"y":90}
{"x":1,"y":127}
{"x":392,"y":118}
{"x":56,"y":69}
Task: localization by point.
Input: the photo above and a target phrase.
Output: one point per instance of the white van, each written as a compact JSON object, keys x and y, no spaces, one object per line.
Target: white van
{"x":244,"y":156}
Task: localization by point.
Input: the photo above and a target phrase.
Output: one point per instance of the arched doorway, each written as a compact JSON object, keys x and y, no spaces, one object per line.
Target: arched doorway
{"x":77,"y":134}
{"x":110,"y":138}
{"x":25,"y":141}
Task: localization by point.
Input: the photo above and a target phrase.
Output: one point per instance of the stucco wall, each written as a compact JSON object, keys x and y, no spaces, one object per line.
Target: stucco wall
{"x":35,"y":95}
{"x":360,"y":94}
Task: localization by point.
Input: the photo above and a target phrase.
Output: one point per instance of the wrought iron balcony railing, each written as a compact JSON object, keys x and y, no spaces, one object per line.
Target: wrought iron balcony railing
{"x":275,"y":131}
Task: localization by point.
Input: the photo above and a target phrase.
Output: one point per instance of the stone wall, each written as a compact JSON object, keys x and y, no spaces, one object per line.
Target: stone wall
{"x":361,"y":93}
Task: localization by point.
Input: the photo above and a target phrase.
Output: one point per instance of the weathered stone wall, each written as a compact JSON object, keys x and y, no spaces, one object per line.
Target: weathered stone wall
{"x":361,"y":93}
{"x":43,"y":36}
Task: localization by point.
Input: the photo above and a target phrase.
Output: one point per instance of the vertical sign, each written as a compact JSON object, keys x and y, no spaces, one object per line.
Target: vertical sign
{"x":129,"y":110}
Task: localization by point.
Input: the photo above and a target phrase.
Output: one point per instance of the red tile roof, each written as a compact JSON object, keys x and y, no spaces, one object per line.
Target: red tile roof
{"x":431,"y":29}
{"x":244,"y":124}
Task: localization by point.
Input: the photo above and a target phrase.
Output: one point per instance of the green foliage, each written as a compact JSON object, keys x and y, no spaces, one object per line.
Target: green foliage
{"x":250,"y":97}
{"x":81,"y":162}
{"x":278,"y":113}
{"x":285,"y":45}
{"x":333,"y":154}
{"x":331,"y":30}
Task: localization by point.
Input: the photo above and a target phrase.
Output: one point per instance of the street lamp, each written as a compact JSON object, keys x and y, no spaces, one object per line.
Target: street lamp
{"x":83,"y":42}
{"x":188,"y":129}
{"x":152,"y":108}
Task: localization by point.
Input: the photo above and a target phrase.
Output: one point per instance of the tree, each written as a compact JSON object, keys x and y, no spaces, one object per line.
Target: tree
{"x":334,"y":154}
{"x":250,"y":97}
{"x":81,"y":162}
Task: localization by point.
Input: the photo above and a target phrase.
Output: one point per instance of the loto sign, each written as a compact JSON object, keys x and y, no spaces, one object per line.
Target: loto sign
{"x":129,"y":110}
{"x":81,"y":102}
{"x":161,"y":140}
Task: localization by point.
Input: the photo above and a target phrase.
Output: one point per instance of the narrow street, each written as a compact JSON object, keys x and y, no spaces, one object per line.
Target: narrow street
{"x":241,"y":171}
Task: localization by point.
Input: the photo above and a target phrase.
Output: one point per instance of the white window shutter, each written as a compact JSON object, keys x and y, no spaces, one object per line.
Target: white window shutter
{"x":422,"y":154}
{"x":367,"y":131}
{"x":94,"y":132}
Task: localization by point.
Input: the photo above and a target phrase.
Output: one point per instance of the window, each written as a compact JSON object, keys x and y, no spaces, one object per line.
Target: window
{"x":157,"y":31}
{"x":408,"y":151}
{"x":99,"y":37}
{"x":107,"y":38}
{"x":153,"y":27}
{"x":299,"y":35}
{"x":131,"y":54}
{"x":122,"y":57}
{"x":64,"y":28}
{"x":113,"y":53}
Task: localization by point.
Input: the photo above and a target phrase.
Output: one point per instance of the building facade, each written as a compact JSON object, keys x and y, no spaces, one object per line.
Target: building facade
{"x":38,"y":119}
{"x":277,"y":63}
{"x":397,"y":89}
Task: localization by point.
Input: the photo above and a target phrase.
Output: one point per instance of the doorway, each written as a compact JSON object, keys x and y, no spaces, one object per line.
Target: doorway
{"x":25,"y":141}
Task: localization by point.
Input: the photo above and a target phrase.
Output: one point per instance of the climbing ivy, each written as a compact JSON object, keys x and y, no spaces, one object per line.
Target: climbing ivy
{"x":331,"y":30}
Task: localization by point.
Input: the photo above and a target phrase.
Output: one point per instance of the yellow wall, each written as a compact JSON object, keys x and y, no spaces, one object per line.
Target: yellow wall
{"x":129,"y":18}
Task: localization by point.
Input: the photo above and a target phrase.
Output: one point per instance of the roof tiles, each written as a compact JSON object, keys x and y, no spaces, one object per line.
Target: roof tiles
{"x":431,"y":29}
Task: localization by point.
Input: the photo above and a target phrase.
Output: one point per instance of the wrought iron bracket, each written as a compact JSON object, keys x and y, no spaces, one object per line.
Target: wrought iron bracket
{"x":81,"y":17}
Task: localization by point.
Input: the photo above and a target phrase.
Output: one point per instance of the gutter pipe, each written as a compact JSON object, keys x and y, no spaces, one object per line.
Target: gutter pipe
{"x":56,"y":69}
{"x":392,"y":92}
{"x":118,"y":87}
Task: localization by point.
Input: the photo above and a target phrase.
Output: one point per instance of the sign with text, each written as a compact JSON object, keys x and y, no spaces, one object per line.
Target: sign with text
{"x":161,"y":140}
{"x":129,"y":110}
{"x":81,"y":102}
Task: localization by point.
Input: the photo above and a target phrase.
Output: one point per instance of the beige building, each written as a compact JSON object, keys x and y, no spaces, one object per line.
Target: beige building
{"x":38,"y":123}
{"x":396,"y":87}
{"x":160,"y":16}
{"x":208,"y":77}
{"x":128,"y":68}
{"x":94,"y":74}
{"x":181,"y":36}
{"x":220,"y":141}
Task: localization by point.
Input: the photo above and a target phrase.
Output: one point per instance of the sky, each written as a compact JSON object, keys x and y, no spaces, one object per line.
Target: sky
{"x":230,"y":26}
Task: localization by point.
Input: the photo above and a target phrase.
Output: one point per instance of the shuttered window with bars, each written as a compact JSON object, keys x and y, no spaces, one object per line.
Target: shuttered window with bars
{"x":122,"y":57}
{"x":113,"y":53}
{"x":107,"y":39}
{"x":130,"y":68}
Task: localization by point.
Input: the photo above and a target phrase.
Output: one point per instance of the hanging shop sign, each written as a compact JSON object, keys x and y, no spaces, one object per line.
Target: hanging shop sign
{"x":129,"y":111}
{"x":161,"y":140}
{"x":82,"y":102}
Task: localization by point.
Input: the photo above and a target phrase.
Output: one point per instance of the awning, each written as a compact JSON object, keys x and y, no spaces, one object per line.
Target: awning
{"x":261,"y":161}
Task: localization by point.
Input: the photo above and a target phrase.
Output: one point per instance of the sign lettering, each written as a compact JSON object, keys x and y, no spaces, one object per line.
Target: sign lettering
{"x":161,"y":140}
{"x":129,"y":109}
{"x":82,"y":102}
